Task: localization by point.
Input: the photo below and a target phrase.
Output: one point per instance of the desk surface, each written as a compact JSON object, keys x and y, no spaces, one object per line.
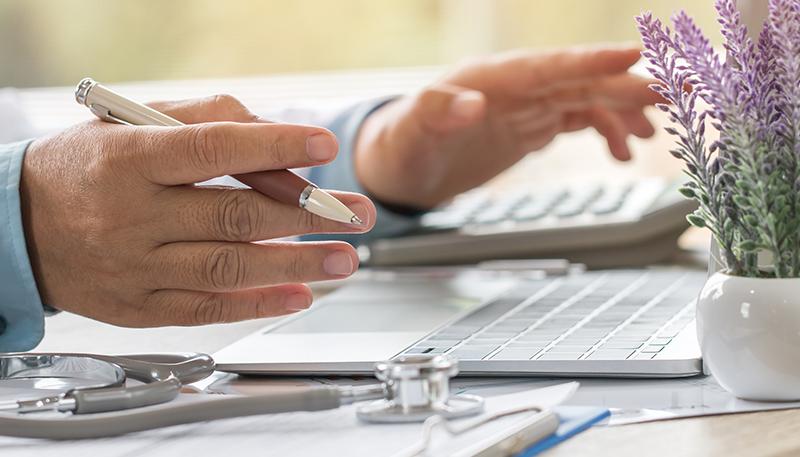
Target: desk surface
{"x":580,"y":155}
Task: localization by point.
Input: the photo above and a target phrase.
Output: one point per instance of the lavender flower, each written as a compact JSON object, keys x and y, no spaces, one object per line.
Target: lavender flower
{"x":747,"y":182}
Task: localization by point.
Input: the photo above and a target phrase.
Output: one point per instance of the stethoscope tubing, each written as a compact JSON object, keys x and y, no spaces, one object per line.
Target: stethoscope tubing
{"x":129,"y":421}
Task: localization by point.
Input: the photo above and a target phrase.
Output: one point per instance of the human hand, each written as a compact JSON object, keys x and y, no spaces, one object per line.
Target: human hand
{"x":117,"y":232}
{"x":489,"y":113}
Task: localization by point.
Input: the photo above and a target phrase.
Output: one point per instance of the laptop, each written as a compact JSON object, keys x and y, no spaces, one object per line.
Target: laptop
{"x":607,"y":323}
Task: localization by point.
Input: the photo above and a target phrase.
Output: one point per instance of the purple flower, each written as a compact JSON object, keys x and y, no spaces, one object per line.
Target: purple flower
{"x":746,"y":182}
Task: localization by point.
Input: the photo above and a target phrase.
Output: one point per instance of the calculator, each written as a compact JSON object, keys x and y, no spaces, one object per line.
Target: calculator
{"x":630,"y":223}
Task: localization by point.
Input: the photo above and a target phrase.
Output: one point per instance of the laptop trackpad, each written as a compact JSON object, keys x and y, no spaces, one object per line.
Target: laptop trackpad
{"x":361,"y":323}
{"x":404,"y":315}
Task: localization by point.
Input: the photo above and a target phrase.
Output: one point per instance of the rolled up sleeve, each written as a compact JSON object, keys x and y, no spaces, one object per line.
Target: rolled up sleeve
{"x":21,"y":311}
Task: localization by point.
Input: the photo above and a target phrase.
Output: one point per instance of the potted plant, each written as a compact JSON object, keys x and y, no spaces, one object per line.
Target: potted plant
{"x":746,"y":184}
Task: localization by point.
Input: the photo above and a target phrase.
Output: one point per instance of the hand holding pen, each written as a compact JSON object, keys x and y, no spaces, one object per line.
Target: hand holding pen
{"x":282,"y":185}
{"x":117,"y":232}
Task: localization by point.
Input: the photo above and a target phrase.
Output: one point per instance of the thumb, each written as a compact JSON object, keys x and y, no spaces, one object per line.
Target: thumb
{"x":445,"y":108}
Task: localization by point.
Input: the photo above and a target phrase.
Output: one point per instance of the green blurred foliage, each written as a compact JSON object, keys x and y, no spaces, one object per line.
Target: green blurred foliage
{"x":56,"y":42}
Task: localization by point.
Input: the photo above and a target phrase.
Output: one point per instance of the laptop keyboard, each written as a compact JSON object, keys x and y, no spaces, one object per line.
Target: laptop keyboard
{"x":609,"y":315}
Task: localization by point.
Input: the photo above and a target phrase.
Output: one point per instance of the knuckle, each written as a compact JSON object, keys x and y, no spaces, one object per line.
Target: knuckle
{"x":224,"y":268}
{"x":236,"y":218}
{"x":278,"y":150}
{"x":295,"y":267}
{"x":227,"y":102}
{"x":207,"y":147}
{"x":233,"y":108}
{"x":110,"y":159}
{"x":210,"y":309}
{"x":308,"y":222}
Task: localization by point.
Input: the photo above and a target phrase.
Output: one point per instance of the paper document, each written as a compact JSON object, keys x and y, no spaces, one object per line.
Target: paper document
{"x":335,"y":432}
{"x":630,"y":400}
{"x":637,"y":400}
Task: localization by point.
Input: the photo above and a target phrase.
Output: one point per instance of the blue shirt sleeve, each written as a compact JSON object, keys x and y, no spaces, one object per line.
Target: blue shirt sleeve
{"x":340,"y":175}
{"x":21,"y":312}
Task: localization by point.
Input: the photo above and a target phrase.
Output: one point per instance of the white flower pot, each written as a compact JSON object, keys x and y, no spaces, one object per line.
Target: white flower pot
{"x":749,"y":334}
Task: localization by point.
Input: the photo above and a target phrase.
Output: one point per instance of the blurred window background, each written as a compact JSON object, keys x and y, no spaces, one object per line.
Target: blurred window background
{"x":56,"y":42}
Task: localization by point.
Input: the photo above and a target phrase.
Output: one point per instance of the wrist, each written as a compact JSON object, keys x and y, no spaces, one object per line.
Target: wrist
{"x":384,"y":168}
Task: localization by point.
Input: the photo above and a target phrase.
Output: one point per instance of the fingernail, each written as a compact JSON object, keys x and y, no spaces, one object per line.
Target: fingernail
{"x":321,"y":147}
{"x":297,"y":302}
{"x":338,"y":264}
{"x":362,"y":212}
{"x":466,"y":104}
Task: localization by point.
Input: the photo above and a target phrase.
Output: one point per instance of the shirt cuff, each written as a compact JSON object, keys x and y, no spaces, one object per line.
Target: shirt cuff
{"x":21,"y":311}
{"x":340,"y":175}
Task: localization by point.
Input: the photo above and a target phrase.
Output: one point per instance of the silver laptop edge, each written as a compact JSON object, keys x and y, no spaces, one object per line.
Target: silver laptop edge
{"x":340,"y":349}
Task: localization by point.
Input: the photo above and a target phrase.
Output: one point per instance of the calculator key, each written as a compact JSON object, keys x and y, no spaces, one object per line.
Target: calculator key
{"x":443,"y":220}
{"x":530,"y":215}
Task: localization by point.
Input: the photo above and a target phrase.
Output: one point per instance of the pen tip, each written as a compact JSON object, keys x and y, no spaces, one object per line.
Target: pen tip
{"x":355,"y":220}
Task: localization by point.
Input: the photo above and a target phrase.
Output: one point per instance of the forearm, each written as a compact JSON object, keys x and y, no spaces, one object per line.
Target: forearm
{"x":21,"y":312}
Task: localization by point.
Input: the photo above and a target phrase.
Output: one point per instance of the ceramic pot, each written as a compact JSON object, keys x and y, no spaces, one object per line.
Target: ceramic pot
{"x":749,"y":334}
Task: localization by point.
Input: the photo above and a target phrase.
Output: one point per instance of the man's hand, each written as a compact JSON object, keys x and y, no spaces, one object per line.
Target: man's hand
{"x":486,"y":115}
{"x":117,"y":232}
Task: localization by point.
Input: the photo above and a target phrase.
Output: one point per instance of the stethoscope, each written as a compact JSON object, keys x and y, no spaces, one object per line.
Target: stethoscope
{"x":92,"y":389}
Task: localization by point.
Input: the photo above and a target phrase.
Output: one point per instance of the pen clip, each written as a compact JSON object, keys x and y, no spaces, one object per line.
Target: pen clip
{"x":105,"y":114}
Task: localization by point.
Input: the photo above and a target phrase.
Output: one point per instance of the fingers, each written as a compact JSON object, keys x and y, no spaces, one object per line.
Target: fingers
{"x":183,"y":307}
{"x":215,"y":214}
{"x":532,"y":71}
{"x":607,"y":123}
{"x":612,"y":127}
{"x":443,"y":108}
{"x":638,"y":123}
{"x":195,"y":153}
{"x":226,"y":267}
{"x":624,"y":91}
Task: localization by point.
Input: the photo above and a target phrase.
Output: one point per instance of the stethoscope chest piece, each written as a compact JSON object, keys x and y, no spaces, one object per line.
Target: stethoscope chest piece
{"x":418,"y":387}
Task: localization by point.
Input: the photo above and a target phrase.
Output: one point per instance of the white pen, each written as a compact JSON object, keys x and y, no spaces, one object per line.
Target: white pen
{"x":282,"y":185}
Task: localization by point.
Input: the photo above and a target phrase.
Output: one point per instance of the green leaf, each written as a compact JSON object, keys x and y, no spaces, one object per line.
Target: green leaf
{"x":696,"y":220}
{"x":687,"y":192}
{"x":748,"y":246}
{"x":741,"y":201}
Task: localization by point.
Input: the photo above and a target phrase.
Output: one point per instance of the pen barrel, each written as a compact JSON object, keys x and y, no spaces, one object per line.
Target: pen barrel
{"x":281,"y":185}
{"x":96,"y":95}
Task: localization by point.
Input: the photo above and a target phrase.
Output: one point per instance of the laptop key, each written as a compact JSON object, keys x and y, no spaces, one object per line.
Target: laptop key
{"x":515,"y":354}
{"x":470,"y":346}
{"x":660,"y":341}
{"x":481,"y":339}
{"x":570,"y":348}
{"x":560,"y":356}
{"x":470,"y":354}
{"x":610,"y":354}
{"x":644,"y":356}
{"x":620,"y":345}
